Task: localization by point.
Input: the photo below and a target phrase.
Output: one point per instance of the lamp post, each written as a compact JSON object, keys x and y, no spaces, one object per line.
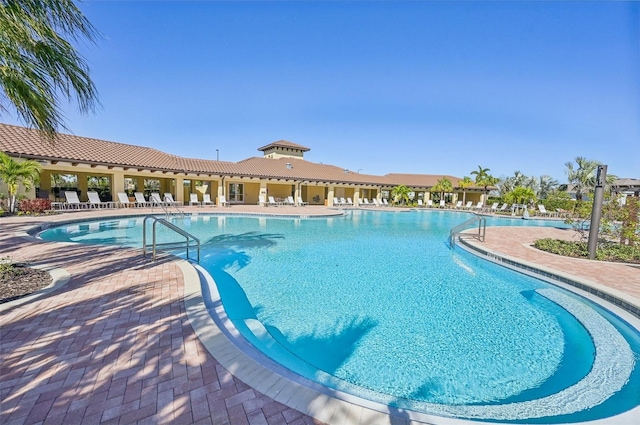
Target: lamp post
{"x":596,"y":212}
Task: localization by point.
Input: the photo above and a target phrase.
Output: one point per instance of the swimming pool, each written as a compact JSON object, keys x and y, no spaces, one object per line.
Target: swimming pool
{"x":337,"y":299}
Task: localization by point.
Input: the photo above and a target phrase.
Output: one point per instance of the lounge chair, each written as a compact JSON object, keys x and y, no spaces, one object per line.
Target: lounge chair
{"x":503,"y":207}
{"x":479,"y":206}
{"x":154,"y":199}
{"x":95,"y":202}
{"x":376,"y":203}
{"x":442,"y":205}
{"x":290,"y":201}
{"x":222,"y":201}
{"x":141,"y":201}
{"x":123,"y":200}
{"x":193,"y":199}
{"x":72,"y":200}
{"x":494,"y":207}
{"x":468,"y":206}
{"x":262,"y":201}
{"x":206,"y":200}
{"x":336,"y":202}
{"x":349,"y":201}
{"x":420,"y":203}
{"x":365,"y":202}
{"x":429,"y":203}
{"x":301,"y":202}
{"x":385,"y":203}
{"x":458,"y":205}
{"x":543,"y":211}
{"x":168,"y":199}
{"x":272,"y":201}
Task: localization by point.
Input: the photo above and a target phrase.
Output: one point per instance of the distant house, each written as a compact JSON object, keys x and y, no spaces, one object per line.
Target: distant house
{"x":627,"y":186}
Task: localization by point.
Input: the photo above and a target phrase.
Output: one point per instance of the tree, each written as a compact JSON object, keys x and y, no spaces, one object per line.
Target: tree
{"x":583,"y":177}
{"x":520,"y":195}
{"x":443,"y":185}
{"x":401,"y":193}
{"x":484,"y":179}
{"x":14,"y":172}
{"x":463,"y":184}
{"x":546,"y":186}
{"x":37,"y":63}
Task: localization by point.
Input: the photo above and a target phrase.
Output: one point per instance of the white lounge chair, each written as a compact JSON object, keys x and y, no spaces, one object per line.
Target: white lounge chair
{"x":336,"y":202}
{"x":140,"y":200}
{"x":301,"y":202}
{"x":193,"y":199}
{"x":123,"y":200}
{"x":72,"y":200}
{"x":543,"y":211}
{"x":458,"y":205}
{"x":154,"y":199}
{"x":349,"y":201}
{"x":442,"y":205}
{"x":222,"y":201}
{"x":262,"y":201}
{"x":376,"y":203}
{"x":95,"y":202}
{"x":429,"y":203}
{"x":290,"y":201}
{"x":468,"y":206}
{"x":420,"y":203}
{"x":479,"y":206}
{"x":385,"y":203}
{"x":503,"y":207}
{"x":365,"y":202}
{"x":494,"y":207}
{"x":168,"y":199}
{"x":206,"y":200}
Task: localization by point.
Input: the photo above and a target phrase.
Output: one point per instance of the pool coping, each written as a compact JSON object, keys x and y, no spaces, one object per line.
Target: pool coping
{"x":237,"y":355}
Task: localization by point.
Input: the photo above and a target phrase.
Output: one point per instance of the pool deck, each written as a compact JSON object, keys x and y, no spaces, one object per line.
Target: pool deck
{"x":115,"y":344}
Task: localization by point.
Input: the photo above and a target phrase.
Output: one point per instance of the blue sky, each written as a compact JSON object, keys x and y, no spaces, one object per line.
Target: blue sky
{"x":430,"y":87}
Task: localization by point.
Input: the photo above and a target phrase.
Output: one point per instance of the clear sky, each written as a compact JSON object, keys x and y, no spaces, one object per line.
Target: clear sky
{"x":434,"y":87}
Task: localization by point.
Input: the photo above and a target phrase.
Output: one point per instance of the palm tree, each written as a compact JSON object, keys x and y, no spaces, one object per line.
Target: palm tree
{"x":583,"y":177}
{"x":443,"y":186}
{"x":14,"y":172}
{"x":401,"y":193}
{"x":546,"y":186}
{"x":484,"y":179}
{"x":463,"y":184}
{"x":38,"y":64}
{"x":520,"y":195}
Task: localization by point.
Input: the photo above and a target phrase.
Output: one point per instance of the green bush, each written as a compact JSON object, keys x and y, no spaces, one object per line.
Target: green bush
{"x":606,"y":251}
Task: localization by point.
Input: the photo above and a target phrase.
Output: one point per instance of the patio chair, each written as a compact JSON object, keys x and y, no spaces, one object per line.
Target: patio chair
{"x":140,"y":200}
{"x":273,"y":202}
{"x":222,"y":200}
{"x":503,"y":207}
{"x":95,"y":202}
{"x":123,"y":200}
{"x":543,"y":211}
{"x":429,"y":203}
{"x":385,"y":203}
{"x":494,"y":207}
{"x":72,"y":200}
{"x":420,"y":203}
{"x":290,"y":201}
{"x":468,"y":206}
{"x":301,"y":202}
{"x":336,"y":202}
{"x":193,"y":199}
{"x":349,"y":201}
{"x":458,"y":205}
{"x":262,"y":201}
{"x":206,"y":200}
{"x":365,"y":202}
{"x":376,"y":203}
{"x":168,"y":199}
{"x":479,"y":206}
{"x":442,"y":205}
{"x":155,"y":200}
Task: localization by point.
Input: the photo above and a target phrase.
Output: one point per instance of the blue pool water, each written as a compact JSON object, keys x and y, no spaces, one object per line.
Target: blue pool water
{"x":375,"y":304}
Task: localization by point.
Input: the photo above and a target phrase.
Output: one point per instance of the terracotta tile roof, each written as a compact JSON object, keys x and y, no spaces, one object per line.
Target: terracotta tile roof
{"x":284,"y":144}
{"x":28,"y":143}
{"x":421,"y":180}
{"x":303,"y":170}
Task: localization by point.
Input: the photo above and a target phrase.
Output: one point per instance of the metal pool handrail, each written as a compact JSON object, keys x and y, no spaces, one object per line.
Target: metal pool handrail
{"x":457,"y":230}
{"x":168,"y":245}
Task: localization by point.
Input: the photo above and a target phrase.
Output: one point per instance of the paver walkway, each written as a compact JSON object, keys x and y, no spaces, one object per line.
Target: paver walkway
{"x":115,"y":346}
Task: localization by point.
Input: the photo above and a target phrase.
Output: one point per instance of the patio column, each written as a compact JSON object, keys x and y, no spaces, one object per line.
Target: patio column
{"x":356,"y":196}
{"x":330,"y":196}
{"x":179,"y":189}
{"x":117,"y":181}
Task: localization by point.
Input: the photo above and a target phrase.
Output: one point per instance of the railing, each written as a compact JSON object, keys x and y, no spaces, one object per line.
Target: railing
{"x":189,"y":238}
{"x":165,"y":208}
{"x":482,"y":228}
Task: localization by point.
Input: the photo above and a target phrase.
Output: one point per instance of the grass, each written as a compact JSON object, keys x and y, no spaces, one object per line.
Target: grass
{"x":606,"y":251}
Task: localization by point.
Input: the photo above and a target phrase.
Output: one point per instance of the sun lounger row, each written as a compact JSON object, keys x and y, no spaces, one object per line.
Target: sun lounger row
{"x":72,"y":201}
{"x":287,"y":201}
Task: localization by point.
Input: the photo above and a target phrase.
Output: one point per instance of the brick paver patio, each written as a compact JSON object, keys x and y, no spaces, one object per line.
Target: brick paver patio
{"x":114,"y":345}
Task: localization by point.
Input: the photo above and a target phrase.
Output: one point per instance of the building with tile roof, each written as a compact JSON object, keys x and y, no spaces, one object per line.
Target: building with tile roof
{"x":83,"y":164}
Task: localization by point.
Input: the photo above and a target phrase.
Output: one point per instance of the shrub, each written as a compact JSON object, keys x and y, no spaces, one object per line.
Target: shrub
{"x":606,"y":251}
{"x":36,"y":206}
